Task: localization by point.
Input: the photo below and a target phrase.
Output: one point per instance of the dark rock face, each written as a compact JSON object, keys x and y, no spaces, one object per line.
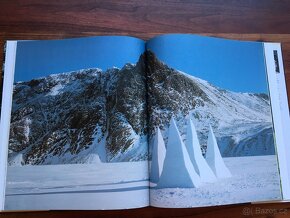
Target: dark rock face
{"x":63,"y":115}
{"x":126,"y":106}
{"x":169,"y":91}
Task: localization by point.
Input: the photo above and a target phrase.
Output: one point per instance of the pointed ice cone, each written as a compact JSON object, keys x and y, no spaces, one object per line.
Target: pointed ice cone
{"x":158,"y":156}
{"x":92,"y":159}
{"x":178,"y":171}
{"x":194,"y":151}
{"x":101,"y":150}
{"x":214,"y":158}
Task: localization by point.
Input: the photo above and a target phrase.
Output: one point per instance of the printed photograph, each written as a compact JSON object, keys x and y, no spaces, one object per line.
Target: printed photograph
{"x":210,"y":127}
{"x":115,"y":122}
{"x":78,"y":133}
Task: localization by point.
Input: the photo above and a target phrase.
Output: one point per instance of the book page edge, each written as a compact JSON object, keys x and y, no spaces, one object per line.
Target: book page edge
{"x":280,"y":112}
{"x":9,"y":68}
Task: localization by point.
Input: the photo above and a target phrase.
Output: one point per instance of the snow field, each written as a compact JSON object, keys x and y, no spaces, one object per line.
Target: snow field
{"x":78,"y":186}
{"x":254,"y":178}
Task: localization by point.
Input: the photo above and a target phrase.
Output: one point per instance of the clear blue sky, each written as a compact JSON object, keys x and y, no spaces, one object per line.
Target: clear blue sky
{"x":229,"y":64}
{"x":35,"y":59}
{"x":233,"y":65}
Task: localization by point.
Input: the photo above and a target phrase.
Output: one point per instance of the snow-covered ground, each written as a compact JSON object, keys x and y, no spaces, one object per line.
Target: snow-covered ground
{"x":124,"y":185}
{"x":254,"y":178}
{"x":77,"y":186}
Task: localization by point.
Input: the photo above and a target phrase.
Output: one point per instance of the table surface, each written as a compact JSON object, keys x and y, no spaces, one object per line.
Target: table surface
{"x":255,"y":20}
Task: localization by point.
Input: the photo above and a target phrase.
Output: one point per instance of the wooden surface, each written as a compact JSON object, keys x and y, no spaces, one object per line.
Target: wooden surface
{"x":266,"y":20}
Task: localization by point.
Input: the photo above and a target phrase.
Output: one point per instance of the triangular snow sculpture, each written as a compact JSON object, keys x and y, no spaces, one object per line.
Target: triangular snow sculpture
{"x":101,"y":149}
{"x":92,"y":159}
{"x":194,"y":151}
{"x":214,"y":158}
{"x":16,"y":160}
{"x":178,"y":171}
{"x":158,"y":156}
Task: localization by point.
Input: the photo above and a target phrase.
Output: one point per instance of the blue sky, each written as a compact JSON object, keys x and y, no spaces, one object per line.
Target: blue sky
{"x":229,"y":64}
{"x":233,"y":65}
{"x":35,"y":59}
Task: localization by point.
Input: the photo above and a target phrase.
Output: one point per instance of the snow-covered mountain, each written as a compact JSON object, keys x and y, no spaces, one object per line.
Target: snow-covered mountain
{"x":80,"y":117}
{"x":88,"y":116}
{"x":242,"y":121}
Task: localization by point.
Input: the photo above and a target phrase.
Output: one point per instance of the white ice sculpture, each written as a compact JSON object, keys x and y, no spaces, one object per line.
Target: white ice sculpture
{"x":178,"y":171}
{"x":194,"y":151}
{"x":158,"y":156}
{"x":214,"y":158}
{"x":92,"y":159}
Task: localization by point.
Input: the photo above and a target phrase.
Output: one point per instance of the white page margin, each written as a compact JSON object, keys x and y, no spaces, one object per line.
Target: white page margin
{"x":280,"y":113}
{"x":9,"y":67}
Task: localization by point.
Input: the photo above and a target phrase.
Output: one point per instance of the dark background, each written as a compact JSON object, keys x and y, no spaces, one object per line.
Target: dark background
{"x":256,"y":20}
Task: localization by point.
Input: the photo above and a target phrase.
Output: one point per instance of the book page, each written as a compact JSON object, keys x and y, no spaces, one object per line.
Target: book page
{"x":280,"y":111}
{"x":211,"y":130}
{"x":78,"y":127}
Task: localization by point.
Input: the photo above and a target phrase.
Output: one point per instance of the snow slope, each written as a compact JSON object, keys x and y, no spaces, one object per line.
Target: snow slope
{"x":242,"y":122}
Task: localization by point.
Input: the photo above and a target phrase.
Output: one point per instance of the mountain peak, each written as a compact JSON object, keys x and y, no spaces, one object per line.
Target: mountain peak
{"x":153,"y":61}
{"x":77,"y":112}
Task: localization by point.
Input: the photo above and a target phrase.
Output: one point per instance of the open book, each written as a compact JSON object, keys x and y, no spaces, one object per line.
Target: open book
{"x":114,"y":122}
